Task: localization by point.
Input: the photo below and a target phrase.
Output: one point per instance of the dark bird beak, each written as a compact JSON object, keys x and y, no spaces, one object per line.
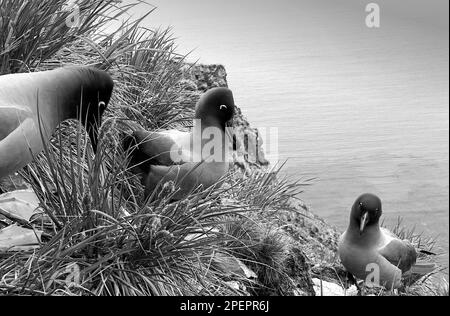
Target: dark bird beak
{"x":363,"y":222}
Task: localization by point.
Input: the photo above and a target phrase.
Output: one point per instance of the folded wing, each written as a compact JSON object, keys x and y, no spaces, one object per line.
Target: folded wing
{"x":400,"y":253}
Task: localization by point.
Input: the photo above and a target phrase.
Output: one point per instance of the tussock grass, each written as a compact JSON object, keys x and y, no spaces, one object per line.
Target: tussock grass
{"x":104,"y":239}
{"x":269,"y":189}
{"x":32,"y":32}
{"x":262,"y":250}
{"x":100,"y":236}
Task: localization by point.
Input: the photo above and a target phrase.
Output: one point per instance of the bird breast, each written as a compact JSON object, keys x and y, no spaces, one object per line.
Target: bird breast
{"x":11,"y":118}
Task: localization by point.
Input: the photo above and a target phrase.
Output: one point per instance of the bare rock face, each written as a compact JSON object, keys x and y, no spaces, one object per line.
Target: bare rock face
{"x":206,"y":77}
{"x":248,"y":153}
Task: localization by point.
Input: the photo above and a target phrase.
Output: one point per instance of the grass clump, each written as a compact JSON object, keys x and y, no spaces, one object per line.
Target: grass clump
{"x":32,"y":32}
{"x":104,"y":238}
{"x":100,"y":236}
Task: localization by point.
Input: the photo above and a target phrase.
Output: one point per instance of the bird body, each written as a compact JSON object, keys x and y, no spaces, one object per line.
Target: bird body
{"x":377,"y":250}
{"x":189,"y":159}
{"x":32,"y":105}
{"x":372,"y":253}
{"x":167,"y":147}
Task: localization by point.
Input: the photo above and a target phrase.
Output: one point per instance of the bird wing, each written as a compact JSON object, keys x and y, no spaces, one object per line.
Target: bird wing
{"x":186,"y":177}
{"x":159,"y":148}
{"x":400,"y":253}
{"x":364,"y":260}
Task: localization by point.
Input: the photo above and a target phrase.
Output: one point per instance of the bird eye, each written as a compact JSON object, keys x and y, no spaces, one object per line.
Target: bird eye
{"x":102,"y":104}
{"x":223,"y":107}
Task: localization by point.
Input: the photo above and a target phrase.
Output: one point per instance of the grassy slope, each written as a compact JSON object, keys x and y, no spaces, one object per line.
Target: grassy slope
{"x":100,"y":236}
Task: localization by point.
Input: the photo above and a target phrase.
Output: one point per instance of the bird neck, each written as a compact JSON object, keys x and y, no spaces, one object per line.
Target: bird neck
{"x":369,"y":236}
{"x":61,"y":88}
{"x":207,"y":122}
{"x":76,"y":105}
{"x":212,"y":139}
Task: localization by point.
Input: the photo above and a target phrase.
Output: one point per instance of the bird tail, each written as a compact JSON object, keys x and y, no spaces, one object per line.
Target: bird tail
{"x":426,"y":252}
{"x":423,"y":268}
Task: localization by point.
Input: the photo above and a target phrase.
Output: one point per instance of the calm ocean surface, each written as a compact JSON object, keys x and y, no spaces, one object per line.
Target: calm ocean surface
{"x":361,"y":110}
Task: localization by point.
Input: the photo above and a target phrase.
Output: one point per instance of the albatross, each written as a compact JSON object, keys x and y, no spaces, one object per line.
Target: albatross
{"x":188,"y":159}
{"x":32,"y":105}
{"x":374,"y":254}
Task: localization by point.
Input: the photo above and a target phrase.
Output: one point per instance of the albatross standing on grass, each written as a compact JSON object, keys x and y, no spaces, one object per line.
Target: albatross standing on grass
{"x":32,"y":105}
{"x":189,"y":159}
{"x":366,"y":247}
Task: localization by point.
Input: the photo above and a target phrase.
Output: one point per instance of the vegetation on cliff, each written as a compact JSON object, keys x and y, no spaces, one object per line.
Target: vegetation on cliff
{"x":251,"y":236}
